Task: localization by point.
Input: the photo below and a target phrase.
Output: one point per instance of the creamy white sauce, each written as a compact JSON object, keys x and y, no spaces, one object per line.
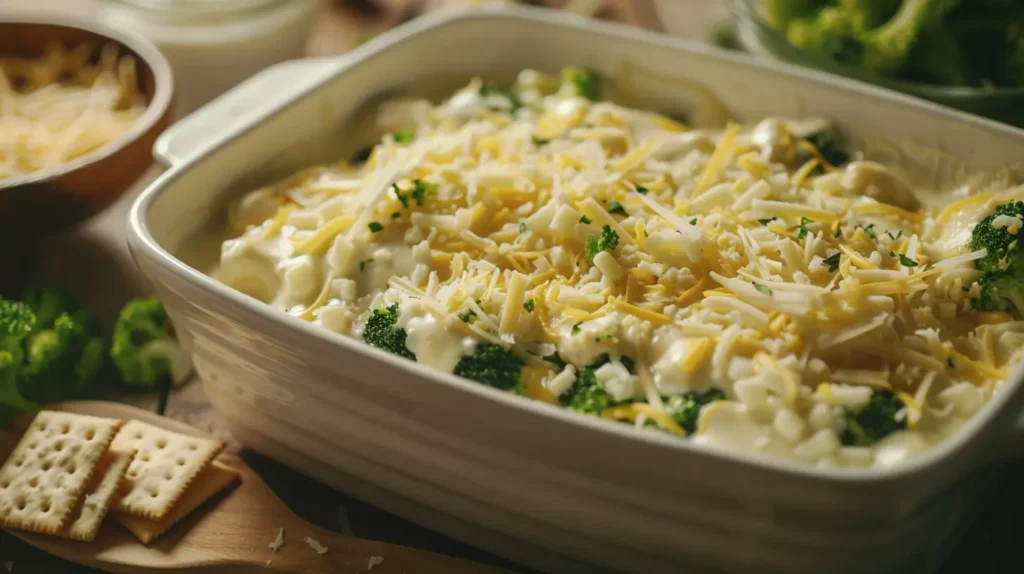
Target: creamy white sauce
{"x":433,"y":343}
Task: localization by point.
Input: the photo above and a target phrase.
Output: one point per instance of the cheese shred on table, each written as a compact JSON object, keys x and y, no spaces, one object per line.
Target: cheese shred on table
{"x":751,"y":287}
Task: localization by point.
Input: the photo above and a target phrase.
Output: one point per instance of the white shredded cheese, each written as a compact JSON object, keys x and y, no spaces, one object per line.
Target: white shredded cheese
{"x":315,"y":545}
{"x":278,"y":542}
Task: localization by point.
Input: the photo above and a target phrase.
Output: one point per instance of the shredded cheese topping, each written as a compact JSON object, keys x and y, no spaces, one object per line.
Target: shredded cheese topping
{"x":610,"y":246}
{"x":61,"y":105}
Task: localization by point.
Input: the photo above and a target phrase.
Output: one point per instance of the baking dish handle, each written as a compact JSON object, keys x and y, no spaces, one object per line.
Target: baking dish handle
{"x":222,"y":118}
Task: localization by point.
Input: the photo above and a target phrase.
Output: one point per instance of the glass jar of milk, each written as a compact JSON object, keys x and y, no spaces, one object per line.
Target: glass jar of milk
{"x":214,"y":44}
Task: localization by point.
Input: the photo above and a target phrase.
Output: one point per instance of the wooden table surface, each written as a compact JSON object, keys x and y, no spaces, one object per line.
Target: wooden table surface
{"x":93,"y":263}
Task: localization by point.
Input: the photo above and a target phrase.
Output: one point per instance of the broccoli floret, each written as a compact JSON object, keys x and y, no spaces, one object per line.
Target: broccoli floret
{"x":47,"y":303}
{"x":779,"y":13}
{"x":887,"y":48}
{"x":381,"y":332}
{"x":1002,"y":269}
{"x":16,"y":322}
{"x":581,"y":82}
{"x":493,"y":366}
{"x":607,"y":241}
{"x":685,"y":409}
{"x":875,"y":421}
{"x":143,"y":349}
{"x":1004,"y":254}
{"x":827,"y":145}
{"x":947,"y":42}
{"x":64,"y":353}
{"x":587,"y":394}
{"x":830,"y":33}
{"x":1001,"y":291}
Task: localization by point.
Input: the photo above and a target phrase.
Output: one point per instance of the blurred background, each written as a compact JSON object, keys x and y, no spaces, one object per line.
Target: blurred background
{"x":214,"y":44}
{"x":968,"y":54}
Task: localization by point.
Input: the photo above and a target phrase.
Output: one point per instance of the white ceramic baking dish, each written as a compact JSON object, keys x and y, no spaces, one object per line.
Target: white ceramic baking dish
{"x":550,"y":488}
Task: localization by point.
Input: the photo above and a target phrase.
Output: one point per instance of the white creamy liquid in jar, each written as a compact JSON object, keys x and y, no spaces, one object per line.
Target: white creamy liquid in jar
{"x":212,"y":45}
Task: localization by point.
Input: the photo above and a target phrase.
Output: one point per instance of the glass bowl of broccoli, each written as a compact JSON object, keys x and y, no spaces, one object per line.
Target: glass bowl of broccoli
{"x":967,"y":54}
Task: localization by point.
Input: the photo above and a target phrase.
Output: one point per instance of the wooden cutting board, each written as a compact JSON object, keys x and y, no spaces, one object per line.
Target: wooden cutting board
{"x":230,"y":533}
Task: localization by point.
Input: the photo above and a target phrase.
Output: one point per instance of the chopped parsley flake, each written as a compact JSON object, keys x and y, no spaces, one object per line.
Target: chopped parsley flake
{"x":529,"y":305}
{"x":641,"y":190}
{"x":522,"y":227}
{"x":838,"y":233}
{"x":586,"y":220}
{"x":616,"y":207}
{"x":576,"y":328}
{"x":404,"y":136}
{"x":490,"y":89}
{"x":539,"y":142}
{"x":607,"y":241}
{"x":904,"y":260}
{"x":364,"y":263}
{"x":465,"y":315}
{"x":763,"y":288}
{"x":375,"y":226}
{"x":765,"y":222}
{"x":803,"y":227}
{"x":401,"y":196}
{"x":870,"y":230}
{"x":422,"y":190}
{"x":419,"y":192}
{"x":396,"y":215}
{"x":833,"y":262}
{"x":605,"y":337}
{"x":693,"y":221}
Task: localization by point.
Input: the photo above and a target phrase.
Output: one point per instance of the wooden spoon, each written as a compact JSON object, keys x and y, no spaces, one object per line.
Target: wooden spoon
{"x":230,"y":533}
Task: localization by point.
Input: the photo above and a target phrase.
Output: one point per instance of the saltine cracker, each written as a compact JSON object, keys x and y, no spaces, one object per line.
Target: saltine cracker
{"x":212,"y":480}
{"x":46,"y":475}
{"x":88,"y":516}
{"x":165,"y":465}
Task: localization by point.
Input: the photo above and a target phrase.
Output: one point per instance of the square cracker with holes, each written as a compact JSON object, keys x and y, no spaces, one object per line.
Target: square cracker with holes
{"x":165,"y":465}
{"x":85,"y":520}
{"x":46,"y":475}
{"x":213,"y":479}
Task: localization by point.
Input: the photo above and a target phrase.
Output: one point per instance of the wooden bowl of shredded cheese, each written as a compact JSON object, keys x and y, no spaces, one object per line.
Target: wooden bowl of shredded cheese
{"x":80,"y":108}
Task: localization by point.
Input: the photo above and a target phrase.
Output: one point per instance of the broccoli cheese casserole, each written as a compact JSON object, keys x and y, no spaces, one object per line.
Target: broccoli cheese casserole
{"x":754,"y":287}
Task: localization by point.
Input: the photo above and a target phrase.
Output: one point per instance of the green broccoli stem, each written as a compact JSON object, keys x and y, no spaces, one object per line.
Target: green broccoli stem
{"x":887,"y":48}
